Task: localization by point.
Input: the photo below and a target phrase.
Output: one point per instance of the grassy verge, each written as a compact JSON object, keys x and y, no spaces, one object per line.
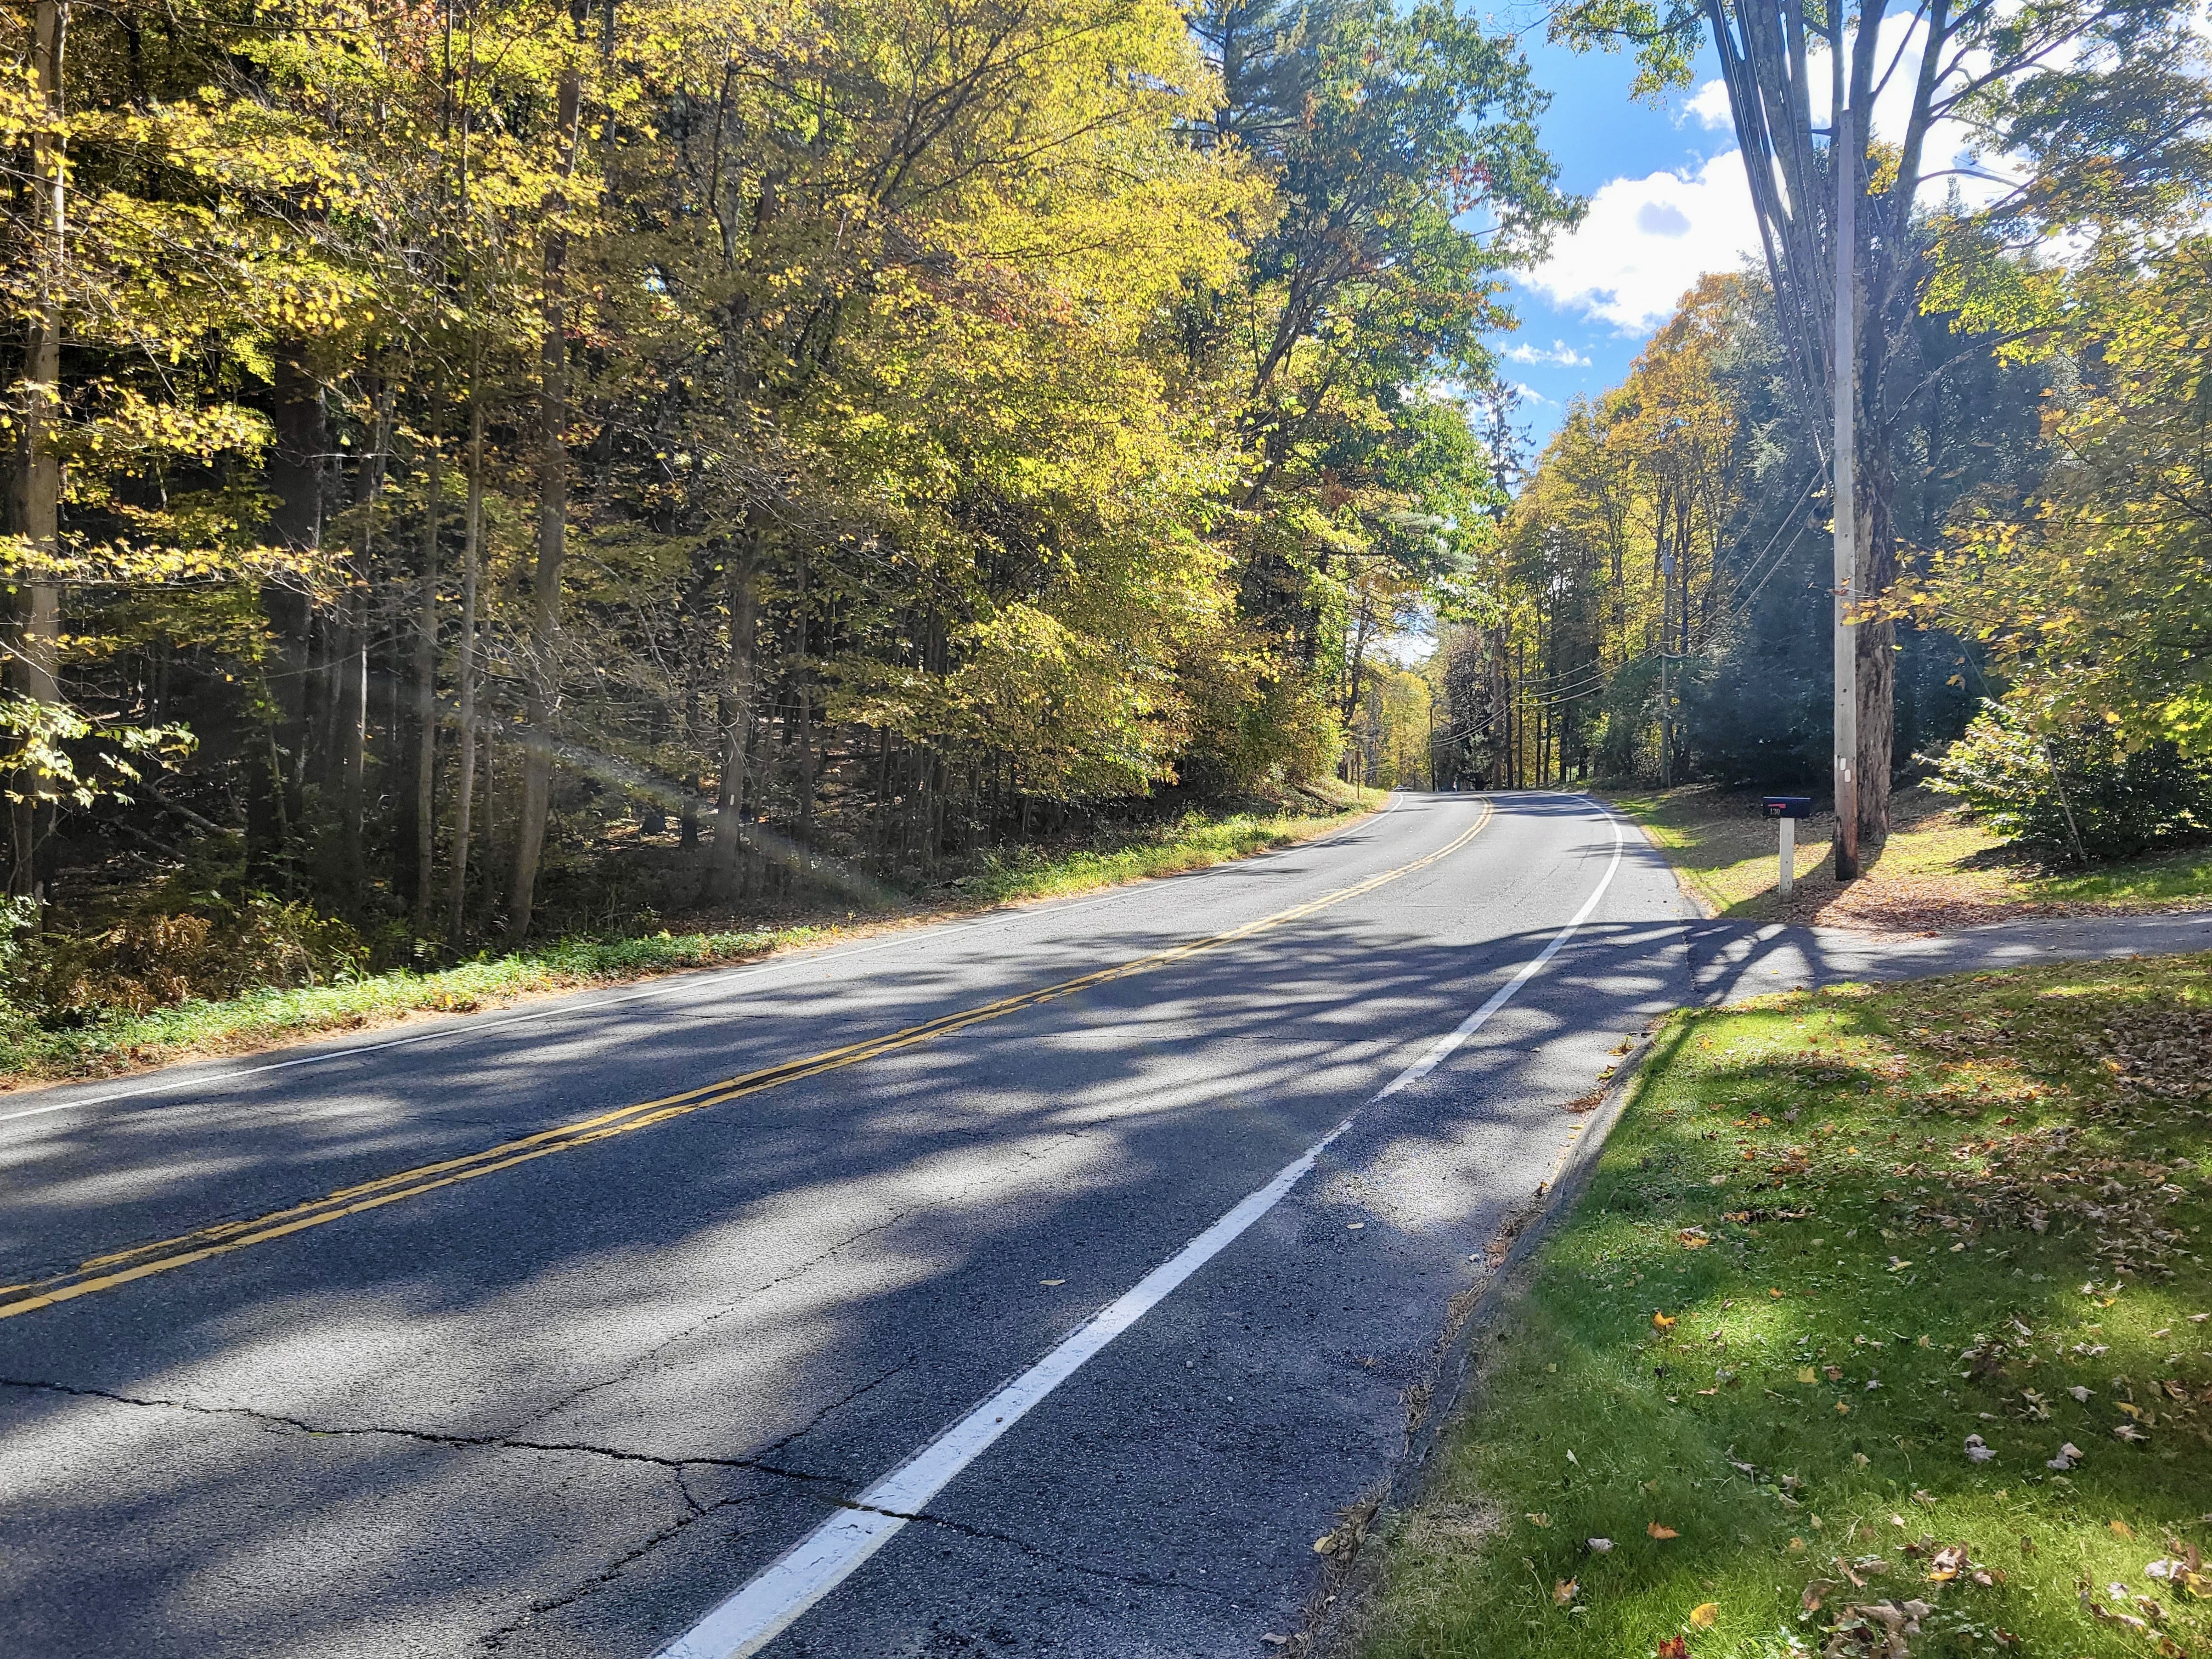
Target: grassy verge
{"x":32,"y":1054}
{"x":1937,"y":869}
{"x":1854,"y":1273}
{"x":1024,"y":873}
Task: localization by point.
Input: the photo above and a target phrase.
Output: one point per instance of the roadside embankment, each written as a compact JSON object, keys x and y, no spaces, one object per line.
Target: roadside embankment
{"x":102,"y":1042}
{"x":1937,"y":871}
{"x":1881,"y":1329}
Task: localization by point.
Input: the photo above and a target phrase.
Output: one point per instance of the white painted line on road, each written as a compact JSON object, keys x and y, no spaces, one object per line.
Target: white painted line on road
{"x":681,"y":981}
{"x":1473,"y":1023}
{"x":772,"y":1602}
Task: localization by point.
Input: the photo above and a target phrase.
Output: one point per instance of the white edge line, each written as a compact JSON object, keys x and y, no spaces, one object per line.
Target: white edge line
{"x":769,"y":1603}
{"x":682,"y":980}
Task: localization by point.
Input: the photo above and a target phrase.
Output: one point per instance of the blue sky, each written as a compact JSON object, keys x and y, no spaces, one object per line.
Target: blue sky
{"x":1667,"y":202}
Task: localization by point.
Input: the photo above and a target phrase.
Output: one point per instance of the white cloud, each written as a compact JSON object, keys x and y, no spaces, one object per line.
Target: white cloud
{"x":1529,"y":394}
{"x":1646,"y":242}
{"x":1561,"y":355}
{"x":1709,"y":107}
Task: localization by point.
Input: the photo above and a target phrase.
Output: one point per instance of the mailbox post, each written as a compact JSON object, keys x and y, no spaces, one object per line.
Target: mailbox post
{"x":1785,"y":810}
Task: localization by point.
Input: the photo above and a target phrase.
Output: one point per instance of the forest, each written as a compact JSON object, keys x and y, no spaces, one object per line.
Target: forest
{"x":2033,"y":401}
{"x":486,"y":471}
{"x":483,"y":472}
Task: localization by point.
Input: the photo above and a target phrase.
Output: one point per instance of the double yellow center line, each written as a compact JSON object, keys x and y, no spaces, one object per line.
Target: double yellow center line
{"x":121,"y":1267}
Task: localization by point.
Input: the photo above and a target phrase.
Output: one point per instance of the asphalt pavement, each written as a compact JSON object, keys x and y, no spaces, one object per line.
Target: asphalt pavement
{"x":584,"y":1346}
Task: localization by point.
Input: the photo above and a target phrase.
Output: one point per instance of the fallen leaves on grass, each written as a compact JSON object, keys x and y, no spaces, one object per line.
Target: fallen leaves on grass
{"x":1706,"y":1615}
{"x":1875,"y":1627}
{"x":1673,"y":1648}
{"x":1563,"y":1591}
{"x":1978,"y":1451}
{"x":1658,"y":1531}
{"x":2068,"y":1455}
{"x":1662,"y":1323}
{"x":2185,"y":1573}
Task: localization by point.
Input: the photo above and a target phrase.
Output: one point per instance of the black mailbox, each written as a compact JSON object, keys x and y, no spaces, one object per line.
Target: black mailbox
{"x":1789,"y":807}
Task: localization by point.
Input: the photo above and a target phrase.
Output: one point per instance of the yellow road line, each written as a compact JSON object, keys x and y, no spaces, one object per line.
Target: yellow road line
{"x":119,"y":1267}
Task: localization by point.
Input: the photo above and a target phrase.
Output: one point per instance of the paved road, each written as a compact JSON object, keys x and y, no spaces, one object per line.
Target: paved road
{"x":565,"y":1398}
{"x":1731,"y":961}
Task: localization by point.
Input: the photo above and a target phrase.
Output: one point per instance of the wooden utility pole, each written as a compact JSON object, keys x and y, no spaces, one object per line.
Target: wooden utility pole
{"x":1842,"y":161}
{"x":1666,"y":669}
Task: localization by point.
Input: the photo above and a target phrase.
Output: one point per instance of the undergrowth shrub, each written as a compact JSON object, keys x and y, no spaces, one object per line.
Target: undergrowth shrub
{"x":2077,"y":795}
{"x":159,"y":957}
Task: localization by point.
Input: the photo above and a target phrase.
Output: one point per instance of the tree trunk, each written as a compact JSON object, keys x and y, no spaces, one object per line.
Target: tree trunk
{"x":425,"y":711}
{"x":353,"y":669}
{"x":1877,"y":655}
{"x":297,"y":462}
{"x":465,"y":773}
{"x":737,"y":723}
{"x":35,"y":481}
{"x":804,"y":691}
{"x":540,"y":697}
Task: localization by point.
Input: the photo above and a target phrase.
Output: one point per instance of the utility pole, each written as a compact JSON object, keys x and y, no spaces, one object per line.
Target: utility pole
{"x":1842,"y":161}
{"x":1666,"y":669}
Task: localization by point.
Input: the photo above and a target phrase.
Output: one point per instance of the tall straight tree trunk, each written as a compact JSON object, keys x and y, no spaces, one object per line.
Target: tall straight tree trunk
{"x":805,"y":691}
{"x":738,"y":595}
{"x":297,"y":462}
{"x":465,"y":772}
{"x":1877,"y":649}
{"x":353,"y":669}
{"x":426,"y":702}
{"x":539,"y":699}
{"x":35,"y":479}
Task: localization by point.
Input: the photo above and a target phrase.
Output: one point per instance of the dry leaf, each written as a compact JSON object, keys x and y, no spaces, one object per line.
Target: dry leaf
{"x":1947,"y":1564}
{"x":1660,"y":1322}
{"x":2121,"y":1529}
{"x":1325,"y":1544}
{"x":1807,"y":1374}
{"x":1976,"y":1450}
{"x":2068,"y":1455}
{"x":1537,"y":1517}
{"x":1674,"y":1648}
{"x":1563,"y":1591}
{"x":1601,"y":1545}
{"x":1052,"y":1281}
{"x":1705,"y":1614}
{"x":1658,"y":1531}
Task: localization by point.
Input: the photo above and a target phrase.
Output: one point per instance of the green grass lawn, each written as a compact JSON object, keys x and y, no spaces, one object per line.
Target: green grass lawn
{"x":32,"y":1053}
{"x":1937,"y":868}
{"x":1855,"y":1272}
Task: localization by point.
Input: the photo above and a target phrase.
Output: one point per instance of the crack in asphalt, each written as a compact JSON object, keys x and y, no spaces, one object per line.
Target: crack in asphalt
{"x":425,"y":1436}
{"x":492,"y":1640}
{"x":804,"y":1480}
